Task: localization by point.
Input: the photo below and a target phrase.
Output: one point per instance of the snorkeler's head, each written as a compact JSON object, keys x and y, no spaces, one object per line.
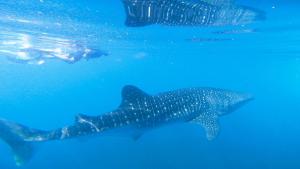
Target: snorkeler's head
{"x":93,"y":53}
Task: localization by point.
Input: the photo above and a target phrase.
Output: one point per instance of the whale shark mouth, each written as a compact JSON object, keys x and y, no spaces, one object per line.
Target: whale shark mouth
{"x":244,"y":99}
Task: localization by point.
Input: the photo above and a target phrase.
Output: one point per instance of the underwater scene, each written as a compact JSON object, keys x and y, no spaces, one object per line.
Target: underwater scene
{"x":149,"y":84}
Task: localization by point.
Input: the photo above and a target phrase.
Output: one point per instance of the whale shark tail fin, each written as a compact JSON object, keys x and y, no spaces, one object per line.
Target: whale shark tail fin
{"x":21,"y":140}
{"x":23,"y":151}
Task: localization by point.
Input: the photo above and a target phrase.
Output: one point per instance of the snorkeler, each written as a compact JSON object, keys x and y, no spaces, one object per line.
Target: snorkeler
{"x":81,"y":52}
{"x":38,"y":56}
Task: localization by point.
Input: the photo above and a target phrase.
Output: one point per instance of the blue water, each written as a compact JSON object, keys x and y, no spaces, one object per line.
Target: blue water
{"x":264,"y":61}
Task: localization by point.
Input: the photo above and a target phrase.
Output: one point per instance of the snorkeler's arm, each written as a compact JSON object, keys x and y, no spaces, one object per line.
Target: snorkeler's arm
{"x":67,"y":59}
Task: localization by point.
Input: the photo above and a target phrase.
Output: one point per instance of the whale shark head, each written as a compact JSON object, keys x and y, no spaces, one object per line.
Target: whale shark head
{"x":233,"y":100}
{"x":228,"y":101}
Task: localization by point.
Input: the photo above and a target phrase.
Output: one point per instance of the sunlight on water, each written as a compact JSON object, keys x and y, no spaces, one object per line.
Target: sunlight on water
{"x":32,"y":47}
{"x":50,"y":82}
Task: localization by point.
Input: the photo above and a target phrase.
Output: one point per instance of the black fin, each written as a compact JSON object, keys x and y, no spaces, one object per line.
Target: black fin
{"x":131,"y":95}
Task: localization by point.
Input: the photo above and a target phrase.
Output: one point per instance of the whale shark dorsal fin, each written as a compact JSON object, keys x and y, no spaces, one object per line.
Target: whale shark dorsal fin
{"x":131,"y":95}
{"x":209,"y":121}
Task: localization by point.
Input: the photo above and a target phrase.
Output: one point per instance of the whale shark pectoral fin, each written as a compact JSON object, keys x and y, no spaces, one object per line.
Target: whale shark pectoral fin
{"x":209,"y":121}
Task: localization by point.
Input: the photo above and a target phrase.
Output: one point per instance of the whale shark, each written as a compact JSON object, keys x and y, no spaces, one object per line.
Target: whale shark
{"x":189,"y":13}
{"x":137,"y":113}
